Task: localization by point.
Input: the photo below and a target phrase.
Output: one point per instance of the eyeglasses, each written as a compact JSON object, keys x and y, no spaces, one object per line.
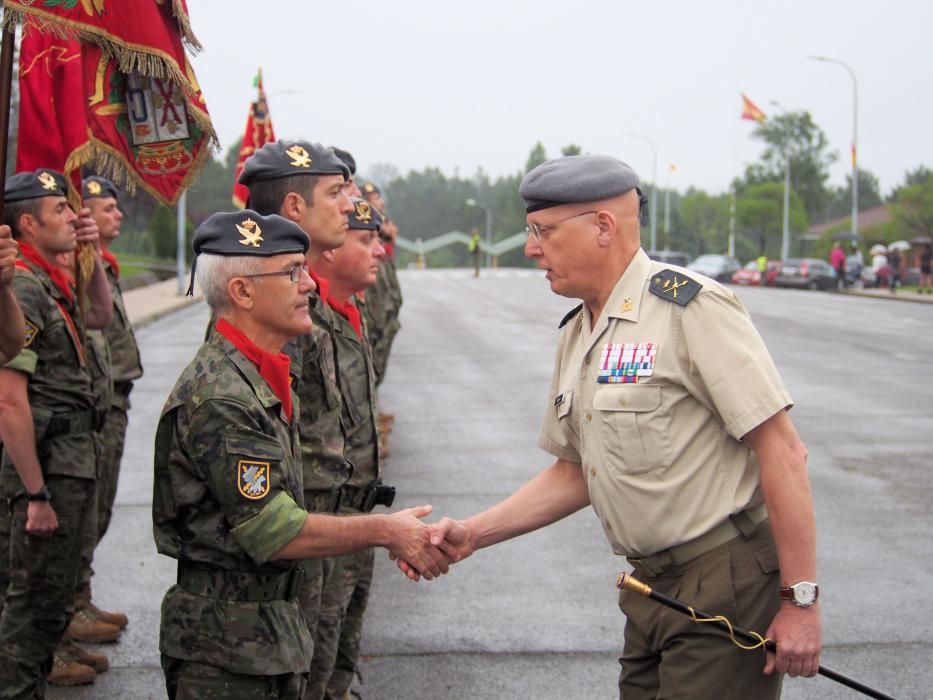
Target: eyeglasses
{"x":541,"y":232}
{"x":294,"y":273}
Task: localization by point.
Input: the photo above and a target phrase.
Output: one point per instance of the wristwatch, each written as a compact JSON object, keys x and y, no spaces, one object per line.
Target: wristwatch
{"x":803,"y":594}
{"x":42,"y":494}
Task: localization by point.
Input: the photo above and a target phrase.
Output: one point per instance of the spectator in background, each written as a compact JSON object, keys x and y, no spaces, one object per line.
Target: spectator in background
{"x":926,"y":273}
{"x":894,"y":262}
{"x":837,"y":258}
{"x":879,"y":265}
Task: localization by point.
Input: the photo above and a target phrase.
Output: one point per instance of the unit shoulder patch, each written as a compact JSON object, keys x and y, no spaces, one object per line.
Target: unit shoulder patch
{"x":674,"y":286}
{"x":566,"y":319}
{"x":32,"y":330}
{"x":253,"y":479}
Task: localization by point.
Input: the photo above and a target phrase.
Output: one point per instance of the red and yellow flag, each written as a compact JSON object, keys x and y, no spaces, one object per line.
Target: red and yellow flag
{"x":105,"y":85}
{"x":258,"y":133}
{"x":751,"y":111}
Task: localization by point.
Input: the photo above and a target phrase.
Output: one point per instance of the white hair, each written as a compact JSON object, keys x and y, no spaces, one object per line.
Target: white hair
{"x":213,"y":272}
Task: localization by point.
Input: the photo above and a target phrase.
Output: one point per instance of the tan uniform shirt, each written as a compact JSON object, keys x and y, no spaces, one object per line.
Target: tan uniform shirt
{"x":662,"y":456}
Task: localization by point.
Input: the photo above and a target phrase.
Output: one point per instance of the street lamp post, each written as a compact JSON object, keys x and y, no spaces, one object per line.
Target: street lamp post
{"x":654,"y":186}
{"x":826,"y":59}
{"x":473,"y":203}
{"x":785,"y":226}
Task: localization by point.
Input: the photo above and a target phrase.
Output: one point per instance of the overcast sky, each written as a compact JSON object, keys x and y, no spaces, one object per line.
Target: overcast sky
{"x":464,"y":85}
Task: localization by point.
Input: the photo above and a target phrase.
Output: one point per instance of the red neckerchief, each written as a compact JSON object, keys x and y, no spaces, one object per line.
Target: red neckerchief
{"x":322,"y":284}
{"x":390,"y":250}
{"x":272,"y":368}
{"x":58,"y":277}
{"x":112,"y":261}
{"x":350,"y":312}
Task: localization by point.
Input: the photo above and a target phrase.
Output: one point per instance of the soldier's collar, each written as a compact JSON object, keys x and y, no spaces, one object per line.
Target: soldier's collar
{"x":625,"y":301}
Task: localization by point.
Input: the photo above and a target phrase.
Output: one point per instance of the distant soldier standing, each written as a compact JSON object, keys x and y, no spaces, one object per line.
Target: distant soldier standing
{"x":47,"y":424}
{"x":228,"y":479}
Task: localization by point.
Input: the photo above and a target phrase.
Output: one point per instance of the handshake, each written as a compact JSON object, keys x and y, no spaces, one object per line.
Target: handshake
{"x":426,"y":549}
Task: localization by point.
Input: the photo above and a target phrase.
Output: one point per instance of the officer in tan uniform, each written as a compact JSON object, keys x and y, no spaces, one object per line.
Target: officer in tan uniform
{"x":667,"y":415}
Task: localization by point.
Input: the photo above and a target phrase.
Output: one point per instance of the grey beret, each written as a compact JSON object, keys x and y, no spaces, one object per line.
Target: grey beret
{"x":280,"y":159}
{"x":96,"y":186}
{"x":248,"y":233}
{"x":41,"y":183}
{"x":364,"y":216}
{"x":347,"y":158}
{"x":574,"y":179}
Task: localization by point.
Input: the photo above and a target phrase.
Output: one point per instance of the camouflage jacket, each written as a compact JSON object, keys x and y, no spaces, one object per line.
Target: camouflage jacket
{"x":358,"y":388}
{"x":100,"y":364}
{"x":323,"y":435}
{"x":393,"y":289}
{"x":227,"y":495}
{"x":124,"y":352}
{"x":60,"y":389}
{"x":374,"y":309}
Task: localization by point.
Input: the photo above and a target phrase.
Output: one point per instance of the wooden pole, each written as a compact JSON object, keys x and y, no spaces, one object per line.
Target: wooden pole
{"x":6,"y":88}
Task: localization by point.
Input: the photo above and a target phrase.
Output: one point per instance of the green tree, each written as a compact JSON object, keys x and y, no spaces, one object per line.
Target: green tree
{"x":163,"y":230}
{"x":794,"y":135}
{"x":912,"y":213}
{"x":571,"y":149}
{"x":702,"y":223}
{"x":759,"y":212}
{"x":537,"y":156}
{"x":839,"y":202}
{"x":919,"y":176}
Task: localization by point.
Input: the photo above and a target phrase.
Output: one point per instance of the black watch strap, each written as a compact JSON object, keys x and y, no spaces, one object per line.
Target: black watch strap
{"x":42,"y":494}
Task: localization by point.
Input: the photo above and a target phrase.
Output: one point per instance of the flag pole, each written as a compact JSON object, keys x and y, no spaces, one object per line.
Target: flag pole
{"x":181,"y":240}
{"x":6,"y":88}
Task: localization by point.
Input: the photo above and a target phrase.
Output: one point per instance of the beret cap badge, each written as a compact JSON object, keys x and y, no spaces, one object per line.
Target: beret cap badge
{"x":252,"y":234}
{"x":48,"y":182}
{"x":94,"y":187}
{"x":364,"y":212}
{"x":299,"y":156}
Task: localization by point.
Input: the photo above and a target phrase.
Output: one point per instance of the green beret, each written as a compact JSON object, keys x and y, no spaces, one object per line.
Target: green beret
{"x":96,"y":186}
{"x":280,"y":159}
{"x":347,"y":159}
{"x":365,"y":216}
{"x":575,"y":179}
{"x":42,"y":183}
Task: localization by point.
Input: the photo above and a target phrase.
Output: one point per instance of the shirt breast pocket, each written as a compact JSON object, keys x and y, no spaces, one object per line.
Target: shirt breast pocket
{"x":634,"y":426}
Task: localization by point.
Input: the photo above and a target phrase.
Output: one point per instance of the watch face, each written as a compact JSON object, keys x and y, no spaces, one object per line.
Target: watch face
{"x":804,"y":593}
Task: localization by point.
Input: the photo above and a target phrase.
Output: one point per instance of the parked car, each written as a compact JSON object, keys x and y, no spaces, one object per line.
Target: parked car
{"x":671,"y":257}
{"x":806,"y":273}
{"x":750,"y":276}
{"x":719,"y":267}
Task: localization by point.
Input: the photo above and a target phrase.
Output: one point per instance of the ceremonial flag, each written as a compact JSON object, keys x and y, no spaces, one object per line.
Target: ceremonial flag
{"x":751,"y":111}
{"x":258,"y":133}
{"x":129,"y":103}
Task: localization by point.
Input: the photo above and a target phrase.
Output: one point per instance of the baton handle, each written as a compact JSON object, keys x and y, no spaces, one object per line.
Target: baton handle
{"x":630,"y":583}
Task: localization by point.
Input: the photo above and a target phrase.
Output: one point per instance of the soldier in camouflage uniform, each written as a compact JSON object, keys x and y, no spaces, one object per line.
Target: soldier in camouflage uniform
{"x":351,"y":269}
{"x":47,"y":424}
{"x":304,"y":182}
{"x":228,"y":478}
{"x":90,"y":622}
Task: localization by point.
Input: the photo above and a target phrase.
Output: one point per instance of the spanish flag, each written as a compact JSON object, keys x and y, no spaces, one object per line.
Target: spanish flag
{"x":751,"y":111}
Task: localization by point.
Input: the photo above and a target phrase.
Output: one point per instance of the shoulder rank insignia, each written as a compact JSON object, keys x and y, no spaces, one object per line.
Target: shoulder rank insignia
{"x":253,"y":479}
{"x":566,"y":319}
{"x":674,"y":286}
{"x":252,"y":234}
{"x":32,"y":330}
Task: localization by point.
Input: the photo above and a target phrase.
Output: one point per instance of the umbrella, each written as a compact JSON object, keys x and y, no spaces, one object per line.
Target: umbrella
{"x":921,"y":240}
{"x":878,"y":249}
{"x":899,"y":245}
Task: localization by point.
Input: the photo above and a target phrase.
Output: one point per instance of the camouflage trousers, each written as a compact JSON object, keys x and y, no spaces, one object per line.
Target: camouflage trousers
{"x":40,"y":595}
{"x":383,"y":348}
{"x":189,"y":680}
{"x":112,"y":439}
{"x":347,"y":580}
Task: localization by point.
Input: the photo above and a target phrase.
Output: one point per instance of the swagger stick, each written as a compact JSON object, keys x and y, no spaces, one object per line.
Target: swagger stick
{"x":630,"y":583}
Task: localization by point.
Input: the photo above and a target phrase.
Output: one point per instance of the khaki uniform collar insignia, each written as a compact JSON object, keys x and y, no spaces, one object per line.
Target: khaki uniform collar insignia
{"x":300,"y":157}
{"x":252,"y":234}
{"x":627,"y":305}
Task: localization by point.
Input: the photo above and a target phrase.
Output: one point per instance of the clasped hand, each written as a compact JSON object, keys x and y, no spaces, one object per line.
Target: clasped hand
{"x":449,"y":538}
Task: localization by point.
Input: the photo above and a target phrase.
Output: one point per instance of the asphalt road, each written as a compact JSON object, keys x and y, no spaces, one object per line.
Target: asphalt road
{"x":537,"y":617}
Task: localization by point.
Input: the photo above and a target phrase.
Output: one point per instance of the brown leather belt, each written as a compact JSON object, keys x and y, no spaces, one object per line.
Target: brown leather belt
{"x":745,"y":524}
